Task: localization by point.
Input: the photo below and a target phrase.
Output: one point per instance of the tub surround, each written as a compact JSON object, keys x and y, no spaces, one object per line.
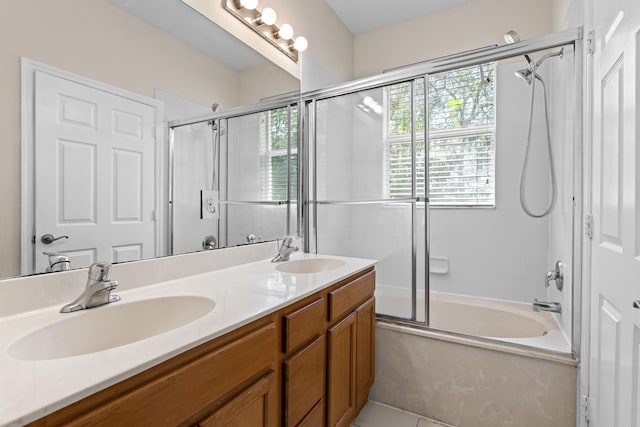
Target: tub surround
{"x":243,"y":282}
{"x":458,"y":381}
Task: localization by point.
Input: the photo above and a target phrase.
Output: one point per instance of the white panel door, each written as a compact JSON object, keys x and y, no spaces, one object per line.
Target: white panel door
{"x":615,"y":323}
{"x":94,"y":174}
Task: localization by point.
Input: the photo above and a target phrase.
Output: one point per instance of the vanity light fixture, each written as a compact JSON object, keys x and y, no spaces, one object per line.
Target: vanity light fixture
{"x":285,"y":32}
{"x":263,"y":22}
{"x":300,"y":44}
{"x":268,"y":16}
{"x":246,"y":4}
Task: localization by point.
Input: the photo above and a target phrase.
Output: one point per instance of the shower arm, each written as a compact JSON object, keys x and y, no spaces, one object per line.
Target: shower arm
{"x":547,"y":56}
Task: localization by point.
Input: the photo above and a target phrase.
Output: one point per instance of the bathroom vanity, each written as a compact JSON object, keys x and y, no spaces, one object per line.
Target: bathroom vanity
{"x":279,"y":348}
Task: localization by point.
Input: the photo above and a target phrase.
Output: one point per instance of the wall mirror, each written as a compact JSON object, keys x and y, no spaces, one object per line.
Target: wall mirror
{"x":152,"y":65}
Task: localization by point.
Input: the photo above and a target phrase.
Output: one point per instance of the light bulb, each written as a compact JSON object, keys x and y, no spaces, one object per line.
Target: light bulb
{"x":249,"y":4}
{"x":285,"y":32}
{"x":300,"y":44}
{"x":268,"y":16}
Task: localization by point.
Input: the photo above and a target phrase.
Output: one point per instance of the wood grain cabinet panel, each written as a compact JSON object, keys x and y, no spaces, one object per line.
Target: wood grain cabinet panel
{"x":303,"y":325}
{"x":174,"y":398}
{"x":341,"y":376}
{"x":365,"y":350}
{"x":250,"y":408}
{"x":303,"y":381}
{"x":315,"y":417}
{"x":348,"y":297}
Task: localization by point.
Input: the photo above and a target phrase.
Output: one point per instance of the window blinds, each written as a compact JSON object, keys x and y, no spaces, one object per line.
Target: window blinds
{"x":461,"y":137}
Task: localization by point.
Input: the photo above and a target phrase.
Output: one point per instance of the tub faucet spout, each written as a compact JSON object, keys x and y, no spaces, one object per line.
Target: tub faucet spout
{"x":553,"y":307}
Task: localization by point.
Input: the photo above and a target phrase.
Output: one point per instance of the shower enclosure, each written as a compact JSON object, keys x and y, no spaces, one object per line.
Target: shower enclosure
{"x":233,"y":176}
{"x":420,"y":169}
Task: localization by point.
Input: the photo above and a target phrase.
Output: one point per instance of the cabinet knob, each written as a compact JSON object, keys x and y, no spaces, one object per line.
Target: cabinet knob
{"x":636,"y":303}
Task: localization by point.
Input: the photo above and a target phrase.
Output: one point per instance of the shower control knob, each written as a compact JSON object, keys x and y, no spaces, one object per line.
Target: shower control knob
{"x":636,"y":303}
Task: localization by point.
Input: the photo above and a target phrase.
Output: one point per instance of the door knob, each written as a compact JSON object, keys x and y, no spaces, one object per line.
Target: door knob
{"x":48,"y":238}
{"x":636,"y":303}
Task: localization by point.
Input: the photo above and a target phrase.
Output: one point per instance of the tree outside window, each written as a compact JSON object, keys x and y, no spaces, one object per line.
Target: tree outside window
{"x":280,"y":127}
{"x":461,"y":137}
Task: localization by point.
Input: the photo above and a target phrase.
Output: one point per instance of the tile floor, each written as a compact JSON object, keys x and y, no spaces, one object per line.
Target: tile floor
{"x":376,"y":414}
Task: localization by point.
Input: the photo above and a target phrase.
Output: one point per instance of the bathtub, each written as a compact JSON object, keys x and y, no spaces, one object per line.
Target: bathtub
{"x":504,"y":321}
{"x":482,"y":363}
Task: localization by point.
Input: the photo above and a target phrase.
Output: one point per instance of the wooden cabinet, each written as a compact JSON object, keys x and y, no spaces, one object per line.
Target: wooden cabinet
{"x":250,"y":408}
{"x":341,"y":368}
{"x":350,"y":350}
{"x":185,"y":389}
{"x":310,"y":364}
{"x":303,"y":381}
{"x":365,"y":350}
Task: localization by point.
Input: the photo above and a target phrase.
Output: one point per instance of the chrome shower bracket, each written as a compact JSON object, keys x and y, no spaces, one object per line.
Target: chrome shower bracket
{"x":555,"y":275}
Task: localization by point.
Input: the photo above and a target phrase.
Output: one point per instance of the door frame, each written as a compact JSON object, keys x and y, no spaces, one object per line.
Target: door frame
{"x":27,"y":162}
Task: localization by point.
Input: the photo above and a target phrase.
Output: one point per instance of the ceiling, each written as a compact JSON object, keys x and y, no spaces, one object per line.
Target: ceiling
{"x":190,"y":27}
{"x":361,"y":16}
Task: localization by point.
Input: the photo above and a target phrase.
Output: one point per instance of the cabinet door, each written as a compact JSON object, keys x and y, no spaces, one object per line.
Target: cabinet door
{"x":341,"y":378}
{"x":250,"y":408}
{"x":315,"y":417}
{"x":303,"y":381}
{"x":365,"y":350}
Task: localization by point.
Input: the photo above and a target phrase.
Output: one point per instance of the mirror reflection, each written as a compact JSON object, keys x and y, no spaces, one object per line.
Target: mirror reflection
{"x":86,"y":163}
{"x":234,"y":180}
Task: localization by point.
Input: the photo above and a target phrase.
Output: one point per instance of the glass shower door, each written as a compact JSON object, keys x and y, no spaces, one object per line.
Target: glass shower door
{"x":259,"y":175}
{"x":363,"y":192}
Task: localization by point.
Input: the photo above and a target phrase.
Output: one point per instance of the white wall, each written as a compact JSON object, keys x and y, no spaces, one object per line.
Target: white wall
{"x":475,"y":24}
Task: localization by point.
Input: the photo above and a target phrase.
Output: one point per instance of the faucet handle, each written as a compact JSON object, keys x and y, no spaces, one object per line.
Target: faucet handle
{"x":556,"y":275}
{"x":99,"y":271}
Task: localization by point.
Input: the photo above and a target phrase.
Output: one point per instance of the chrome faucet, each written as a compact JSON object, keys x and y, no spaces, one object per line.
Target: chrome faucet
{"x":97,"y":291}
{"x":57,"y":262}
{"x":285,"y":250}
{"x":553,"y":307}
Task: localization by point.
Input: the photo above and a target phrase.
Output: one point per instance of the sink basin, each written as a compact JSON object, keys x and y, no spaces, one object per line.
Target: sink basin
{"x":109,"y":326}
{"x":311,"y":265}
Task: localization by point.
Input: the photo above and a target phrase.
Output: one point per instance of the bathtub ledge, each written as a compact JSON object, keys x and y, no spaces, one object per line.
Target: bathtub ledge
{"x":516,"y":349}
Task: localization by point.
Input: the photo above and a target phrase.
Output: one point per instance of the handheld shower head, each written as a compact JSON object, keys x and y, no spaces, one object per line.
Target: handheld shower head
{"x":512,"y":37}
{"x":524,"y":75}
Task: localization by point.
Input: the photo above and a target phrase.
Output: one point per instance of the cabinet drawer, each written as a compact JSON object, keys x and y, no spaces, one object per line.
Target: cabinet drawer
{"x":346,"y":298}
{"x":173,"y":398}
{"x":303,"y":381}
{"x":249,"y":408}
{"x":303,"y":325}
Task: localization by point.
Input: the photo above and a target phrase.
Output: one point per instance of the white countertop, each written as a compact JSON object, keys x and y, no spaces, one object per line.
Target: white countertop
{"x":32,"y":389}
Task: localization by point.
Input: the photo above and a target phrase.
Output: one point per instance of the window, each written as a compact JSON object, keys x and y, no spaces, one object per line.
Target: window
{"x":461,"y":137}
{"x":275,"y":134}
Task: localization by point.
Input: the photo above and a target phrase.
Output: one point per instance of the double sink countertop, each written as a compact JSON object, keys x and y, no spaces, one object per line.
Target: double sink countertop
{"x":31,"y":389}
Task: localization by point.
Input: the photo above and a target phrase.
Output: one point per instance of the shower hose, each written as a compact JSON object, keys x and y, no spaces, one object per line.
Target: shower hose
{"x":523,"y":185}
